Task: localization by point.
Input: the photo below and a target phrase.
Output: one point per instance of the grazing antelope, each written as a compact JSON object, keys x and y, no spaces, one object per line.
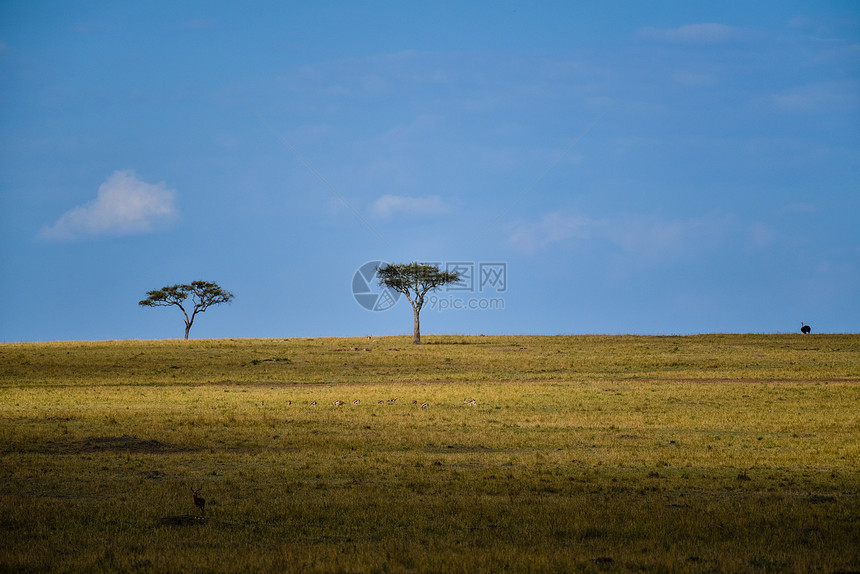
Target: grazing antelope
{"x":199,"y":501}
{"x":380,"y":402}
{"x":392,"y":401}
{"x":425,"y":405}
{"x":313,"y":404}
{"x":470,"y":403}
{"x":289,"y":403}
{"x":414,"y":402}
{"x":337,"y":403}
{"x":356,"y":402}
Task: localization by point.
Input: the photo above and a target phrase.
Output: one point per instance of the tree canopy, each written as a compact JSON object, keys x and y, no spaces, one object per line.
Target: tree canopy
{"x":203,"y":295}
{"x":415,"y":280}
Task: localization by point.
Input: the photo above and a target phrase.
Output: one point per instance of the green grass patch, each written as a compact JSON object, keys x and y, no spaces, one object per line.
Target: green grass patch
{"x":732,"y":453}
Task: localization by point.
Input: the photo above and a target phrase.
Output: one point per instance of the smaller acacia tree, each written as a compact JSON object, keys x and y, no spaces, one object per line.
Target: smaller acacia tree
{"x":203,"y":294}
{"x":414,"y":280}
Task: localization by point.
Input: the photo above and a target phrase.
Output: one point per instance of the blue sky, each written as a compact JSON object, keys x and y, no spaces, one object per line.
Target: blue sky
{"x":656,"y":168}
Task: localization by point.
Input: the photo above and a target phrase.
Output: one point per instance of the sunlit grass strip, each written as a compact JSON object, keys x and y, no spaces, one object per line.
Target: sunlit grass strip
{"x":443,"y":358}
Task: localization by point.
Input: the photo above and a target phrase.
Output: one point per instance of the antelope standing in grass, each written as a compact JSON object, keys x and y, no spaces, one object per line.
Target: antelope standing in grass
{"x":199,"y":501}
{"x":425,"y":405}
{"x":313,"y":403}
{"x":470,"y":403}
{"x":356,"y":402}
{"x":337,"y":403}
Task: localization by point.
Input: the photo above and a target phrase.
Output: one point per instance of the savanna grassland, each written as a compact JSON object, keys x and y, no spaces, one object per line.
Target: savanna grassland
{"x":712,"y":453}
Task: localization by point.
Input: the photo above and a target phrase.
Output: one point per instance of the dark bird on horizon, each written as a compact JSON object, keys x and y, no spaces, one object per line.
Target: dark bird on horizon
{"x":805,"y":329}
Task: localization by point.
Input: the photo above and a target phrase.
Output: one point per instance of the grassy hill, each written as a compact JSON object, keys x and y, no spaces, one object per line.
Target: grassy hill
{"x":581,"y":453}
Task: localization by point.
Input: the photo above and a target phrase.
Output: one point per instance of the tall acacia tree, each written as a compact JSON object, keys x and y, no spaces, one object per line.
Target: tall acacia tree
{"x":203,"y":294}
{"x":415,"y":280}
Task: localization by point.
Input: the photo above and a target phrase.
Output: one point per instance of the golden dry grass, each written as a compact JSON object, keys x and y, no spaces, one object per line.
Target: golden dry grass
{"x":725,"y":453}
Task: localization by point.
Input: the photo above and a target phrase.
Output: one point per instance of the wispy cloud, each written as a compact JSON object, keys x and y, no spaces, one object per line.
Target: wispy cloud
{"x":390,"y":205}
{"x":645,"y":237}
{"x":708,"y":33}
{"x":551,"y":228}
{"x":830,"y":97}
{"x":762,"y":234}
{"x":125,"y":205}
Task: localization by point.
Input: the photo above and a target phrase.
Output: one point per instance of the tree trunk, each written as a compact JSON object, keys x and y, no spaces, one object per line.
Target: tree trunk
{"x":416,"y":335}
{"x":187,"y":329}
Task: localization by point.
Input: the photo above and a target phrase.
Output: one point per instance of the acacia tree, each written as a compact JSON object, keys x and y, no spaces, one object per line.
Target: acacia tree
{"x":415,"y":280}
{"x":203,"y":294}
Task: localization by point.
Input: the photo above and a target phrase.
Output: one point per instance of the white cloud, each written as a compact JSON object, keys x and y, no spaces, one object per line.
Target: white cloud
{"x":124,"y":205}
{"x":390,"y":205}
{"x":708,"y":33}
